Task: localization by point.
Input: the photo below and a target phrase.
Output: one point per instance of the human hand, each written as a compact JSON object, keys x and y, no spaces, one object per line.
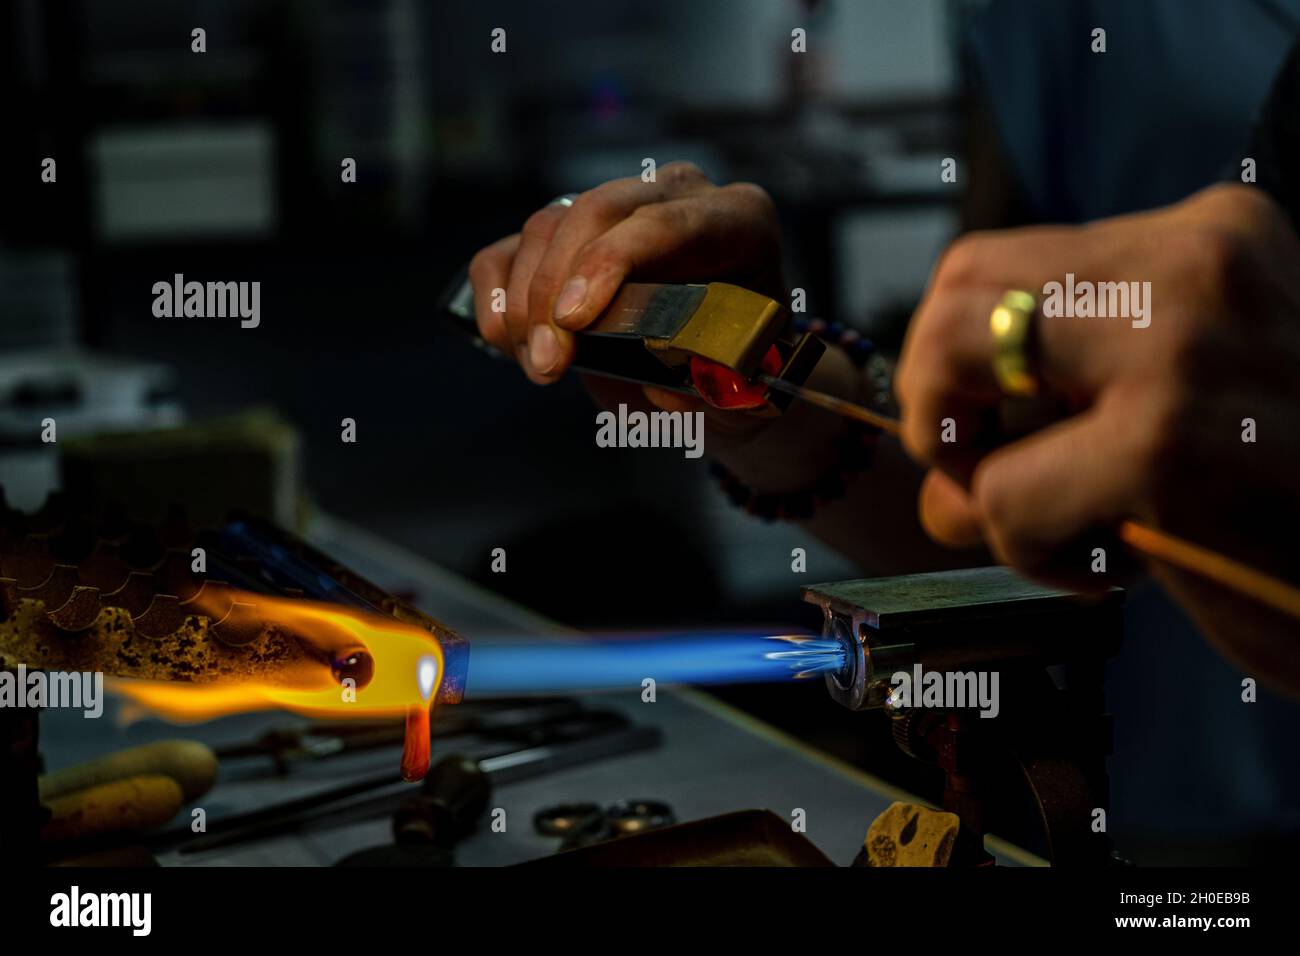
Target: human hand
{"x":1157,"y":417}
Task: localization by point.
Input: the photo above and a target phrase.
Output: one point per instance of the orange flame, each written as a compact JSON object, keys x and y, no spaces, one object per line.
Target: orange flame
{"x":407,"y":666}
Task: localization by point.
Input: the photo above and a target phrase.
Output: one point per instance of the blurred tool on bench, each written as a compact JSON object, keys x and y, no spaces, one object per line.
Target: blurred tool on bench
{"x":1045,"y":750}
{"x":586,"y":737}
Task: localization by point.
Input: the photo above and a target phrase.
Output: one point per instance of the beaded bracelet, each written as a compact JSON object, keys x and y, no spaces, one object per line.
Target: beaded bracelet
{"x":858,"y":346}
{"x":856,"y":448}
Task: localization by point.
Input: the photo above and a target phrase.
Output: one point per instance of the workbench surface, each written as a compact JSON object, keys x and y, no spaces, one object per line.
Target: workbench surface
{"x":713,"y":759}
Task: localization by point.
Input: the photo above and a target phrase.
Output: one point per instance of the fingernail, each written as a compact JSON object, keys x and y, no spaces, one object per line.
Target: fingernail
{"x":543,"y":348}
{"x":571,"y":296}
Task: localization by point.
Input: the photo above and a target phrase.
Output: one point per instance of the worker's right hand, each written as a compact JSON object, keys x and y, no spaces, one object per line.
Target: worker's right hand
{"x":1159,"y":411}
{"x":564,"y":267}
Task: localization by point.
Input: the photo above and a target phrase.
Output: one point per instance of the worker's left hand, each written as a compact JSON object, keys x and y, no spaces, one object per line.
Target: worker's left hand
{"x":1156,"y":421}
{"x":566,"y":264}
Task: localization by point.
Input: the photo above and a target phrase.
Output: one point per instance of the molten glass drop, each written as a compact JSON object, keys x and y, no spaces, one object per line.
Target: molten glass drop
{"x":723,"y":388}
{"x":415,"y":750}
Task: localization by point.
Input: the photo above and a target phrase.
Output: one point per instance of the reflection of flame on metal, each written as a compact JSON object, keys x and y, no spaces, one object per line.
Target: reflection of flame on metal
{"x":354,"y":664}
{"x":811,"y":655}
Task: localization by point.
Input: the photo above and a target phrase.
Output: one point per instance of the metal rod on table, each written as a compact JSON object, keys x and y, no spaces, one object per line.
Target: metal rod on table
{"x":373,"y":795}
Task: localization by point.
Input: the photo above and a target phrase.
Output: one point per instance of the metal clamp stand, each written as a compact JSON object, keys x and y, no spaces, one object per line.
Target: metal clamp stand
{"x":1043,"y":756}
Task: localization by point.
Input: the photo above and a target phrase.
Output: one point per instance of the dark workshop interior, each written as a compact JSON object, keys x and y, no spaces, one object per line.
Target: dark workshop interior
{"x":226,"y":165}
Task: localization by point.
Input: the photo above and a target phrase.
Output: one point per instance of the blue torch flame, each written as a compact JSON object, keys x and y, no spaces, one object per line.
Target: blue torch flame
{"x":608,"y":663}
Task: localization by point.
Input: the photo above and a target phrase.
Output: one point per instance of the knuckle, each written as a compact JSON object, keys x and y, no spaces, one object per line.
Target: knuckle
{"x":961,"y":262}
{"x":926,"y":368}
{"x":1247,"y":206}
{"x":682,"y":173}
{"x":602,"y":256}
{"x":1218,"y":262}
{"x":751,"y":194}
{"x":1219,"y":252}
{"x":755,"y":204}
{"x":675,"y":218}
{"x":943,"y":320}
{"x":600,"y":204}
{"x":542,"y":224}
{"x":657,"y":213}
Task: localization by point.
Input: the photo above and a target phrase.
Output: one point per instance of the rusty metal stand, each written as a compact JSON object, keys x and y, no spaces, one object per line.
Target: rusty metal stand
{"x":1045,"y":754}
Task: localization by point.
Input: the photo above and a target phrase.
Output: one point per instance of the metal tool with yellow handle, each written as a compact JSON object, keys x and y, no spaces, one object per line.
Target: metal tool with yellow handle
{"x":719,"y":342}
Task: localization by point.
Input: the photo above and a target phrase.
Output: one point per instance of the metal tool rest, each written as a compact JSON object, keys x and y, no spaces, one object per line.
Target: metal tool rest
{"x":1045,"y":752}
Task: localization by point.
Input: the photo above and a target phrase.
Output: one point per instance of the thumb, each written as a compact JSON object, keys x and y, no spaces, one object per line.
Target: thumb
{"x":947,"y":513}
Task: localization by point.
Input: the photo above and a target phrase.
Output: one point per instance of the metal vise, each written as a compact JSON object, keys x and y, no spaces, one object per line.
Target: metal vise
{"x":1048,"y":649}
